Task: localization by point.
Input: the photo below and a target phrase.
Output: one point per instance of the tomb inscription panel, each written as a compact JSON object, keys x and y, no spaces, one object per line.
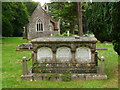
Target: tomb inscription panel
{"x":83,"y":54}
{"x":44,"y":53}
{"x":63,"y":54}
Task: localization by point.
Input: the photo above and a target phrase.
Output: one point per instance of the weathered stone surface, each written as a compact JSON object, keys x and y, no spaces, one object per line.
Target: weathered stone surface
{"x":25,"y":46}
{"x":64,"y":39}
{"x":83,"y":54}
{"x":78,"y":77}
{"x":66,"y":48}
{"x":48,"y":25}
{"x":63,"y":54}
{"x":44,"y":53}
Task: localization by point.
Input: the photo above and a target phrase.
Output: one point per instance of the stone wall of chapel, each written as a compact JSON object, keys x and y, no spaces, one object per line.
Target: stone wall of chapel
{"x":38,"y":14}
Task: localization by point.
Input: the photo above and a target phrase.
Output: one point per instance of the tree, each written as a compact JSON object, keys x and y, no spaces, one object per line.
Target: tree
{"x":20,"y":19}
{"x":14,"y":17}
{"x":7,"y":27}
{"x":104,"y":21}
{"x":116,"y":27}
{"x":98,"y":17}
{"x":80,"y":28}
{"x":67,"y":12}
{"x":31,"y":6}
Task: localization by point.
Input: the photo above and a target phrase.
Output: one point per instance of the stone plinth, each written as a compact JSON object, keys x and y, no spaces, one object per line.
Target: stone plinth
{"x":77,"y":77}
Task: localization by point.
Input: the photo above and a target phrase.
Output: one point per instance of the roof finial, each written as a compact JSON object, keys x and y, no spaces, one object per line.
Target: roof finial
{"x":45,"y":7}
{"x":39,"y":5}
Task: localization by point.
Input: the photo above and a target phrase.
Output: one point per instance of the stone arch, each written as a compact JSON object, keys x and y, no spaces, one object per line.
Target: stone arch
{"x":83,"y":54}
{"x":44,"y":53}
{"x":88,"y":46}
{"x":40,"y":46}
{"x":63,"y":54}
{"x":67,"y":45}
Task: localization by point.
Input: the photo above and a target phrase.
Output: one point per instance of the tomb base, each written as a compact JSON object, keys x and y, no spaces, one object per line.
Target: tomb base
{"x":27,"y":77}
{"x":58,"y":77}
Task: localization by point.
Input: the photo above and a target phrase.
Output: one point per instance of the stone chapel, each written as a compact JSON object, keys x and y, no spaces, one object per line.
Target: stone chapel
{"x":40,"y":24}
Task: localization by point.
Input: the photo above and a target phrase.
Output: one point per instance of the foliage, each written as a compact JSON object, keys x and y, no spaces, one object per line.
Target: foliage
{"x":98,"y":17}
{"x":14,"y":17}
{"x":63,"y":10}
{"x":64,"y":34}
{"x":7,"y":30}
{"x":116,"y":27}
{"x":116,"y":45}
{"x":40,"y":68}
{"x":31,"y":7}
{"x":43,"y":67}
{"x":50,"y":76}
{"x":104,"y":21}
{"x":35,"y":68}
{"x":66,"y":76}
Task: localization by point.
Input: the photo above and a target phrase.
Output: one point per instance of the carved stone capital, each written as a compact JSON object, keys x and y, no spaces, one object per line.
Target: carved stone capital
{"x":93,"y":50}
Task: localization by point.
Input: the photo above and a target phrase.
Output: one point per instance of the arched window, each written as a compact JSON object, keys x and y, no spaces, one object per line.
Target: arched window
{"x":39,"y":25}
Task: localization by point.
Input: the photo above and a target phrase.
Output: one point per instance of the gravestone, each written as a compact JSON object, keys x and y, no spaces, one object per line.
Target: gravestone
{"x":63,"y":54}
{"x":83,"y":54}
{"x":44,"y":53}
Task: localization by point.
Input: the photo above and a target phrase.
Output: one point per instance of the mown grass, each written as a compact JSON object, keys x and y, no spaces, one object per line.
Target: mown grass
{"x":12,"y":69}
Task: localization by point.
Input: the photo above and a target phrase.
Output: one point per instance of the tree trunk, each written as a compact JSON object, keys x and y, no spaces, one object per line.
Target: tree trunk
{"x":80,"y":28}
{"x":72,"y":26}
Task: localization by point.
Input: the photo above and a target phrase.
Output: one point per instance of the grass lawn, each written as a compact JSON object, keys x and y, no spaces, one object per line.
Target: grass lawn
{"x":12,"y":69}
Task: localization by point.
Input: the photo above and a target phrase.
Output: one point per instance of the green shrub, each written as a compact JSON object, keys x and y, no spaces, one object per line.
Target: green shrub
{"x":64,"y":34}
{"x":57,"y":35}
{"x":66,"y":76}
{"x":50,"y":76}
{"x":116,"y":46}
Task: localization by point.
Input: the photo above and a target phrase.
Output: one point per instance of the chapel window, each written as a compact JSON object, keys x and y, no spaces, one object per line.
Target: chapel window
{"x":39,"y":25}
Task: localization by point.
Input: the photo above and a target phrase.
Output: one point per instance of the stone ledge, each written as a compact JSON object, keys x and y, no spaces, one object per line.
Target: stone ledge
{"x":90,"y":77}
{"x":78,"y":77}
{"x":64,"y":39}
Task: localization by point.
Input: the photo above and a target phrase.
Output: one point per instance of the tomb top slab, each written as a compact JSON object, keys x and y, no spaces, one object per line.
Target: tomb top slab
{"x":65,"y":39}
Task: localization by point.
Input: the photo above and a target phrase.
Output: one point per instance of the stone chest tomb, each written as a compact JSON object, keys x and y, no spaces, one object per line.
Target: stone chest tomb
{"x":57,"y":55}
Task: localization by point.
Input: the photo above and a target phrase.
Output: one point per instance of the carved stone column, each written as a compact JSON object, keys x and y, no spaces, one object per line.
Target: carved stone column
{"x":73,"y":49}
{"x":96,"y":59}
{"x":92,"y":55}
{"x":73,"y":56}
{"x":34,"y":57}
{"x":54,"y":54}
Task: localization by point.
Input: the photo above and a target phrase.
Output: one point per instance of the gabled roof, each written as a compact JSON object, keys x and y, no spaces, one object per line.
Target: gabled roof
{"x":39,"y":6}
{"x":55,"y":24}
